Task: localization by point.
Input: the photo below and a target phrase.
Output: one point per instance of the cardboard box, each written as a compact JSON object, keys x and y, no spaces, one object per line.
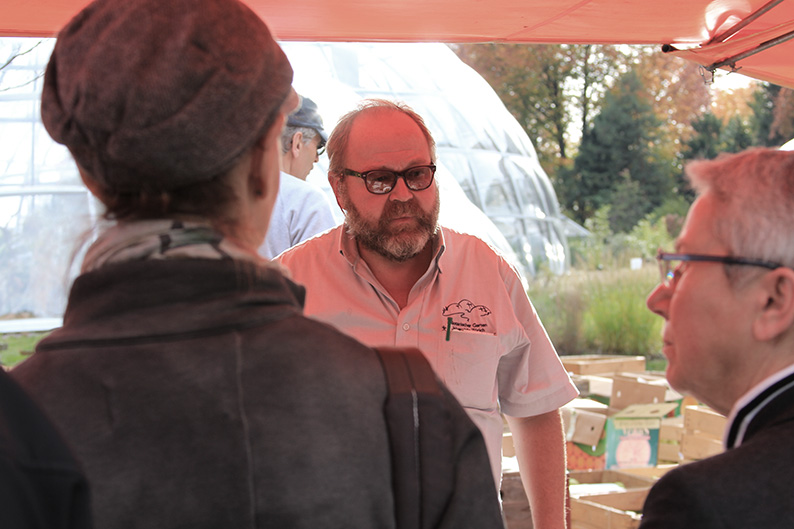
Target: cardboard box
{"x":584,"y":420}
{"x":625,"y":479}
{"x":508,"y":449}
{"x":671,"y":432}
{"x":628,"y":390}
{"x":652,"y":473}
{"x":583,"y":457}
{"x":600,"y":364}
{"x":695,"y":447}
{"x":619,"y":510}
{"x":671,"y":429}
{"x":594,"y":387}
{"x":633,"y":435}
{"x":670,"y":452}
{"x":515,"y":504}
{"x":704,"y":420}
{"x":703,"y":431}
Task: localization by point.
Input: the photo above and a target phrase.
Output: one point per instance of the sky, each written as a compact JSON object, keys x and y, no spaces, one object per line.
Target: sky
{"x":731,"y":80}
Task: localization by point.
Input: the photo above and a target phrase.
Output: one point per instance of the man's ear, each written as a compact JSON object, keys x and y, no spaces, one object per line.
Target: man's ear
{"x":297,"y":144}
{"x":776,"y":305}
{"x":334,"y":181}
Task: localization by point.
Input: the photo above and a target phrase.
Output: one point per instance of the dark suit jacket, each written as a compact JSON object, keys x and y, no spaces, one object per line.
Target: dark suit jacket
{"x":746,"y":486}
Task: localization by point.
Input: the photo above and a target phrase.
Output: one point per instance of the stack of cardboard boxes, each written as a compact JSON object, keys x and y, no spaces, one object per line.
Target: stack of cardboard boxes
{"x":625,"y":430}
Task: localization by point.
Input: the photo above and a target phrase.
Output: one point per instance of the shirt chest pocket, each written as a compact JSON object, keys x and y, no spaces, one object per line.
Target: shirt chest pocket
{"x":468,"y":363}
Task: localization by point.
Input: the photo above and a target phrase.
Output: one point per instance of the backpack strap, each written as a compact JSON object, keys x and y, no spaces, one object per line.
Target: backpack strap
{"x":420,"y":438}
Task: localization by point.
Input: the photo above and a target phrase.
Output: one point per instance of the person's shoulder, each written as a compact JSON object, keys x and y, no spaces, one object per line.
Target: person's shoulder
{"x":294,"y":184}
{"x":463,"y":243}
{"x":468,"y":240}
{"x":318,"y":245}
{"x":480,"y":254}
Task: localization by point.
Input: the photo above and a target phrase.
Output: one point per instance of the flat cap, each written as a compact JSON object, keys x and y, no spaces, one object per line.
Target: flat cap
{"x":308,"y":116}
{"x":161,"y":94}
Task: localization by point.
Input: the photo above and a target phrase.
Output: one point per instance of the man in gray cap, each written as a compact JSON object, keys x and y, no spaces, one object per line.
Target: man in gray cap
{"x":302,"y":210}
{"x":186,"y":380}
{"x":303,"y":140}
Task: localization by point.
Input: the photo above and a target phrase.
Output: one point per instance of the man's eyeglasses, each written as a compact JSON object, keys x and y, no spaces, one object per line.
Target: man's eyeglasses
{"x":670,"y":263}
{"x":381,"y":181}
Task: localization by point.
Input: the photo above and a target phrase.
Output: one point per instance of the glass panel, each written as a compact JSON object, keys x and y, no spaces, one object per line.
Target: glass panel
{"x":486,"y":161}
{"x":38,"y":237}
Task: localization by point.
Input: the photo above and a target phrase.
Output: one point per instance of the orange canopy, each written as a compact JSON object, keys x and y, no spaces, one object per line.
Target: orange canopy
{"x":749,"y":35}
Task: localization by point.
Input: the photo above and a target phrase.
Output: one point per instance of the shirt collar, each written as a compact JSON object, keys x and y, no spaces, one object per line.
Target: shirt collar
{"x":748,"y":406}
{"x":347,"y":246}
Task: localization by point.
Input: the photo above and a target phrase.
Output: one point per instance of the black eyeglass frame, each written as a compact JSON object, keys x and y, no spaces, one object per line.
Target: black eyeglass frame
{"x":395,"y":174}
{"x":667,"y":274}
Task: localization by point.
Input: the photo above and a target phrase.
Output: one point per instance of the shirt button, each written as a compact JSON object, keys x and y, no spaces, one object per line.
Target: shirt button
{"x":406,"y":326}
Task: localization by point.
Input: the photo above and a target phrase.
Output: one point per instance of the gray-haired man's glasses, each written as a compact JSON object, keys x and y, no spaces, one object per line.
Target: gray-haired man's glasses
{"x":670,"y":268}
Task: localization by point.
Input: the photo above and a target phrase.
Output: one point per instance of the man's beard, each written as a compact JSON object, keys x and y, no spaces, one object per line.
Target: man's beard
{"x":397,"y":243}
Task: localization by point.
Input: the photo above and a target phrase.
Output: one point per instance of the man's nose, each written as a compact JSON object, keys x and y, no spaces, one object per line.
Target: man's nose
{"x":400,"y":191}
{"x":659,"y":300}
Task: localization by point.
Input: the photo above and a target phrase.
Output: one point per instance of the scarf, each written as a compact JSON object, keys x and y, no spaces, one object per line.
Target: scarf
{"x":161,"y":239}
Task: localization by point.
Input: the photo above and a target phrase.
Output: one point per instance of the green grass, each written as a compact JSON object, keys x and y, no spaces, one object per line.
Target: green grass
{"x":584,"y":312}
{"x":16,"y":347}
{"x":656,"y":363}
{"x":592,"y":312}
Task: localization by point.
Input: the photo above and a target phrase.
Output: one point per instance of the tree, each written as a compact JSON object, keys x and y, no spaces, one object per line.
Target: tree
{"x":629,"y":205}
{"x":783,"y":115}
{"x":552,"y":90}
{"x":676,"y":89}
{"x":595,"y":67}
{"x":706,"y":142}
{"x":10,"y":53}
{"x":765,"y":128}
{"x":729,"y":103}
{"x":621,"y":147}
{"x":736,"y":135}
{"x":530,"y":80}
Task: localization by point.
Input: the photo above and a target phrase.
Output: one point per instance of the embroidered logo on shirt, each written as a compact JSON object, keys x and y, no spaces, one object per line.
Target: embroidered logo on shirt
{"x":468,"y":317}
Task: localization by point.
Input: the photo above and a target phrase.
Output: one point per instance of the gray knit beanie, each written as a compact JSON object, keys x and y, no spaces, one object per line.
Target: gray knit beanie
{"x":162,"y":93}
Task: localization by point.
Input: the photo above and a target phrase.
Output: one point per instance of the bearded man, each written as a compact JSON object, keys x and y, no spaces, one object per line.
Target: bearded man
{"x":391,"y":276}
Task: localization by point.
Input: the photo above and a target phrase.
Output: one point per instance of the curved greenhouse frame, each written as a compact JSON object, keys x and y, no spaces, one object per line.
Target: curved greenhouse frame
{"x":490,"y":179}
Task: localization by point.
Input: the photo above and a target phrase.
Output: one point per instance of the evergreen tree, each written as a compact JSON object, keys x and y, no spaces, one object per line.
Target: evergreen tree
{"x":706,"y":142}
{"x":629,"y":205}
{"x":736,"y":135}
{"x":619,"y":152}
{"x":763,"y":117}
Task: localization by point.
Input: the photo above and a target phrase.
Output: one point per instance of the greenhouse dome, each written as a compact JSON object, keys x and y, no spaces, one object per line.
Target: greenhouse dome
{"x":491,"y":182}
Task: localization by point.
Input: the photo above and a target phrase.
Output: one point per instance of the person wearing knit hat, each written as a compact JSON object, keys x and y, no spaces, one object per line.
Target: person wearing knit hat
{"x":185,"y":379}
